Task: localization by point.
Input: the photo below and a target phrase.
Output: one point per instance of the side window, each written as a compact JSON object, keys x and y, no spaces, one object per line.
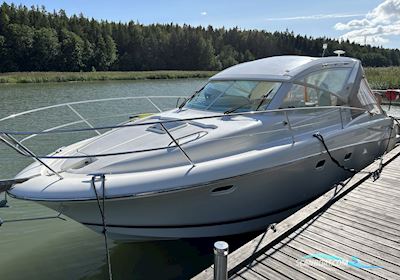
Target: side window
{"x":303,"y":96}
{"x":332,"y":80}
{"x":367,"y":99}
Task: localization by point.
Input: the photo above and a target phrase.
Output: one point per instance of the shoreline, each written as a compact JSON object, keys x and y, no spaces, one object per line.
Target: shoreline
{"x":51,"y":77}
{"x":378,"y":77}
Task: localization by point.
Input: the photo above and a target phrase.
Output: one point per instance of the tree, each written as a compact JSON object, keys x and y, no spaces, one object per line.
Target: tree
{"x":88,"y":56}
{"x":228,"y":56}
{"x":72,"y":46}
{"x":46,"y":49}
{"x":204,"y":54}
{"x":2,"y":53}
{"x":105,"y":53}
{"x":33,"y":39}
{"x":19,"y":43}
{"x":4,"y":19}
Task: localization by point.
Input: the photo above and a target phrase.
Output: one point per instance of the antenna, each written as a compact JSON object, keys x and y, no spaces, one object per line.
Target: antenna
{"x":324,"y":47}
{"x":339,"y":52}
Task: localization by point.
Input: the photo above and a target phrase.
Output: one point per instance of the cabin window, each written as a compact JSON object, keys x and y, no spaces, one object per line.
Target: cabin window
{"x":331,"y":80}
{"x":304,"y":96}
{"x":221,"y":96}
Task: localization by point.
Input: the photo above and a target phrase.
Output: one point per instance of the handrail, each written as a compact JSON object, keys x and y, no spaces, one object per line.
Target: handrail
{"x":30,"y":134}
{"x":21,"y":149}
{"x":55,"y":156}
{"x":82,"y":102}
{"x":250,"y":113}
{"x":81,"y":121}
{"x":18,"y":147}
{"x":82,"y":118}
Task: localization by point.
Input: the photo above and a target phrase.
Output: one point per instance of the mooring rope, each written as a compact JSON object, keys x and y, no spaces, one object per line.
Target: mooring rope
{"x":102,"y":213}
{"x":322,"y":140}
{"x":374,"y":174}
{"x":387,"y":145}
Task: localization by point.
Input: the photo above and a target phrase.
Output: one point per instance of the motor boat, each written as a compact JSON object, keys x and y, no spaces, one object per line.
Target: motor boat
{"x":239,"y":154}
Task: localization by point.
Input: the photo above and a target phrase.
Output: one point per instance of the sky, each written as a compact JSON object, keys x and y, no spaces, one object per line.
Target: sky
{"x":376,"y":22}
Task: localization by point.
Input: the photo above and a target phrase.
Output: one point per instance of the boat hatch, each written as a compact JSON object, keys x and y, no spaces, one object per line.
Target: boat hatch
{"x":171,"y":126}
{"x":175,"y":124}
{"x":78,"y":164}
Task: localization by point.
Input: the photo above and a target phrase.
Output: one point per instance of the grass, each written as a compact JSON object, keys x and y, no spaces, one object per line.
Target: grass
{"x":45,"y":77}
{"x":378,"y":77}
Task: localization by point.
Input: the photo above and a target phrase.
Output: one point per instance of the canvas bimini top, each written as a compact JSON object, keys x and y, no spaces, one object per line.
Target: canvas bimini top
{"x":287,"y":82}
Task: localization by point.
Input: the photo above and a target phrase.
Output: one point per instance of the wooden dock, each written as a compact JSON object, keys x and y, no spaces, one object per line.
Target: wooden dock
{"x":354,"y":229}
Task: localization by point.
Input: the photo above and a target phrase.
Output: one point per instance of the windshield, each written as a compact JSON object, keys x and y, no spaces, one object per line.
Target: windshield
{"x":222,"y":96}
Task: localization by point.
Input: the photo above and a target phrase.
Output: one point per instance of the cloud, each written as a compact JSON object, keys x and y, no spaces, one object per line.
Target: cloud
{"x":375,"y":28}
{"x":203,"y":13}
{"x":316,"y":17}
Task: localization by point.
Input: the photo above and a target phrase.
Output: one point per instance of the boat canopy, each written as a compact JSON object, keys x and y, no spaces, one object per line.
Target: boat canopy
{"x":287,"y":82}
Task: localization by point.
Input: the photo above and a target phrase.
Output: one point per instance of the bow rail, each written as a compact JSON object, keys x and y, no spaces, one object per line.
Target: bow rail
{"x":8,"y":136}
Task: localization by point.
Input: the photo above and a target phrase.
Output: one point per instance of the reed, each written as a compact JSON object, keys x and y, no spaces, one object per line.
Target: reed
{"x":46,"y":77}
{"x":383,"y":77}
{"x":378,"y":77}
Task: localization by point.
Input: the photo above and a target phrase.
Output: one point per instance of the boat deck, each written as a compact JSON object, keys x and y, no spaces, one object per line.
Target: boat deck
{"x":356,"y":226}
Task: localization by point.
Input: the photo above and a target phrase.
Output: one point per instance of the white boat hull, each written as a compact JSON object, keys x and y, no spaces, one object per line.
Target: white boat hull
{"x":252,"y":203}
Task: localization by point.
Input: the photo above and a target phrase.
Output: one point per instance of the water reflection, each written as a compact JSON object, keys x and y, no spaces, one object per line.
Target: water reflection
{"x":177,"y":259}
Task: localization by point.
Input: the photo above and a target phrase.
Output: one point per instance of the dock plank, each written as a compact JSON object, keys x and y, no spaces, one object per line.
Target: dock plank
{"x":388,"y":199}
{"x":388,"y":225}
{"x":322,"y":274}
{"x":311,"y":248}
{"x":369,"y":207}
{"x":328,"y":245}
{"x":368,"y":212}
{"x":290,"y":271}
{"x":344,"y":217}
{"x":360,"y":233}
{"x":356,"y":245}
{"x":342,"y":234}
{"x":366,"y":229}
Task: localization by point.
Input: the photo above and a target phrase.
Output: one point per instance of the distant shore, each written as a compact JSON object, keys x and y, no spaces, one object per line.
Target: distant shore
{"x":48,"y":77}
{"x":378,"y":77}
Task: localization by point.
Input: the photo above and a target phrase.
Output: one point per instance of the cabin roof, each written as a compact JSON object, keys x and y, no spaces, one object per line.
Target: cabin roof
{"x":280,"y":68}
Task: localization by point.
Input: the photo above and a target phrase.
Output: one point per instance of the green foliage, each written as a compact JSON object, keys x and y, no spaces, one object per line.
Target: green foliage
{"x":36,"y":40}
{"x":105,"y":53}
{"x":72,"y":47}
{"x":46,"y":49}
{"x":228,"y":56}
{"x":19,"y":42}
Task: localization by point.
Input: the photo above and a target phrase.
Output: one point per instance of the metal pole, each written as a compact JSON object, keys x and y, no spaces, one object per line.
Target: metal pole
{"x":26,"y":150}
{"x":221,"y":250}
{"x":177,"y":144}
{"x":289,"y":126}
{"x":341,"y":117}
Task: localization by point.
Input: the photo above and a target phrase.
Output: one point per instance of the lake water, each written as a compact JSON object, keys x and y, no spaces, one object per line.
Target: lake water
{"x":56,"y":249}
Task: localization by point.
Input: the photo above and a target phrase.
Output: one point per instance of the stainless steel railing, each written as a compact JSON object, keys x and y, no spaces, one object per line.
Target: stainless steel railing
{"x":6,"y":136}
